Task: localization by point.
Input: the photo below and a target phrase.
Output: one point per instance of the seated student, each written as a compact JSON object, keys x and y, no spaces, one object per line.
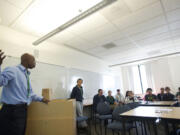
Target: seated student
{"x":168,"y":96}
{"x":160,"y":96}
{"x":130,"y":98}
{"x":119,"y":97}
{"x":178,"y":93}
{"x":110,"y":99}
{"x":98,"y":98}
{"x":149,"y":96}
{"x":177,"y":104}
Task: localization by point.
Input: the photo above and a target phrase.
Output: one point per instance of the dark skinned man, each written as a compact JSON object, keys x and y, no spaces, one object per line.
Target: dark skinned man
{"x":17,"y":94}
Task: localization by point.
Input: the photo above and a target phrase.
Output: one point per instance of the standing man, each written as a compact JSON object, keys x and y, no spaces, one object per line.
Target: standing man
{"x":77,"y":93}
{"x":17,"y":94}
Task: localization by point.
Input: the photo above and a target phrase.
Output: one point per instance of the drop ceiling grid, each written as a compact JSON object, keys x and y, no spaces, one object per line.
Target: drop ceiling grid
{"x":139,"y":22}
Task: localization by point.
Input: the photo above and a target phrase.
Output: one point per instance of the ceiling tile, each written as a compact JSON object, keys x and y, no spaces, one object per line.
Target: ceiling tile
{"x":115,"y":10}
{"x":96,"y":50}
{"x":118,"y":49}
{"x":20,"y":3}
{"x":150,"y":33}
{"x":137,"y":4}
{"x":122,"y":55}
{"x":160,"y":45}
{"x":177,"y":43}
{"x":62,"y":36}
{"x":79,"y":43}
{"x":171,"y":4}
{"x":122,"y":42}
{"x":8,"y":12}
{"x":175,"y":25}
{"x":110,"y":38}
{"x":144,"y":14}
{"x":175,"y":34}
{"x":154,"y":39}
{"x":90,"y":23}
{"x":173,"y":15}
{"x":99,"y":32}
{"x":147,"y":25}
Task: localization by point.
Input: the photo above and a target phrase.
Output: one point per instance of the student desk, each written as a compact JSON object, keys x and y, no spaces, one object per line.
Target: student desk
{"x":157,"y":103}
{"x":88,"y":102}
{"x":149,"y":113}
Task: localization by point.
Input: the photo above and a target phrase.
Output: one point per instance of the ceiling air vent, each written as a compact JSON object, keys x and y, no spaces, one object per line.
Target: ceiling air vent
{"x":109,"y":45}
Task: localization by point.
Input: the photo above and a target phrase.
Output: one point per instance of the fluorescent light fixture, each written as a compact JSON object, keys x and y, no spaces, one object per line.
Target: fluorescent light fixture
{"x":70,"y":17}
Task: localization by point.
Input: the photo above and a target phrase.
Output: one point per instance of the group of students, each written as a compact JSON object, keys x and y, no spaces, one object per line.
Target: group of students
{"x":164,"y":95}
{"x":118,"y":99}
{"x":77,"y":93}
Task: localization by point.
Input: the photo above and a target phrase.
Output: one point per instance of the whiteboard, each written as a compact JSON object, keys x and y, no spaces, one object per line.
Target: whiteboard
{"x":61,"y":79}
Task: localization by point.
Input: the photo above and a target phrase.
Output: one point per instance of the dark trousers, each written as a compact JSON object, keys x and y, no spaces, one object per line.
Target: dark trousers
{"x":13,"y":119}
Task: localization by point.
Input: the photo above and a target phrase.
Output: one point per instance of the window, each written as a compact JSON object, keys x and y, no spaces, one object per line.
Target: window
{"x":108,"y":82}
{"x":143,"y":78}
{"x":139,"y":79}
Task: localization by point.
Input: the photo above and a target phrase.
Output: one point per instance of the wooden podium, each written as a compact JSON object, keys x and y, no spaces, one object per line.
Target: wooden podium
{"x":56,"y":118}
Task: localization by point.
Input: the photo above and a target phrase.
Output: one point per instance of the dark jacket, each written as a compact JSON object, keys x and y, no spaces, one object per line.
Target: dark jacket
{"x":169,"y":97}
{"x":77,"y":94}
{"x":161,"y":97}
{"x":150,"y":97}
{"x":177,"y":94}
{"x":110,"y":100}
{"x":97,"y":99}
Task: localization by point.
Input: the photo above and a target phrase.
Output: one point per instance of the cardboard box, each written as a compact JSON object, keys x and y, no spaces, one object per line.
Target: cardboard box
{"x":56,"y":118}
{"x":47,"y":93}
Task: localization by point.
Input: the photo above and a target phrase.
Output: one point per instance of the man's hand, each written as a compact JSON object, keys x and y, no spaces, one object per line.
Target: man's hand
{"x":1,"y":58}
{"x":44,"y":100}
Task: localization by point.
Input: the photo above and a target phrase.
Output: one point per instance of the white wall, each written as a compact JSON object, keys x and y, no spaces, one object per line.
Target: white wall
{"x":15,"y":44}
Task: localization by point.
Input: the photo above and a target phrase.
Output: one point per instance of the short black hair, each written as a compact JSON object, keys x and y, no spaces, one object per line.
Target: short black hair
{"x":167,"y":88}
{"x":179,"y":88}
{"x":118,"y":90}
{"x":79,"y":80}
{"x":99,"y":90}
{"x":148,"y":89}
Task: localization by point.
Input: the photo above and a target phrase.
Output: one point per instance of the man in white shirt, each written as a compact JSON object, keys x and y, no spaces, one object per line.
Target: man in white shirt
{"x":119,"y":97}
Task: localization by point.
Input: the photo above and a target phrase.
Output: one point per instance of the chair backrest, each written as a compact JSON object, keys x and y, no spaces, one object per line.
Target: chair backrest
{"x":103,"y":108}
{"x":118,"y":110}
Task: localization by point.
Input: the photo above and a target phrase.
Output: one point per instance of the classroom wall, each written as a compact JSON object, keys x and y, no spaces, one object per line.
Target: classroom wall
{"x":95,"y":72}
{"x":16,"y":43}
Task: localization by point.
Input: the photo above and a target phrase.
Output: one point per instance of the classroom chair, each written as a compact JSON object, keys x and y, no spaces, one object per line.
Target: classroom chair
{"x":103,"y":114}
{"x":81,"y":119}
{"x":116,"y":125}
